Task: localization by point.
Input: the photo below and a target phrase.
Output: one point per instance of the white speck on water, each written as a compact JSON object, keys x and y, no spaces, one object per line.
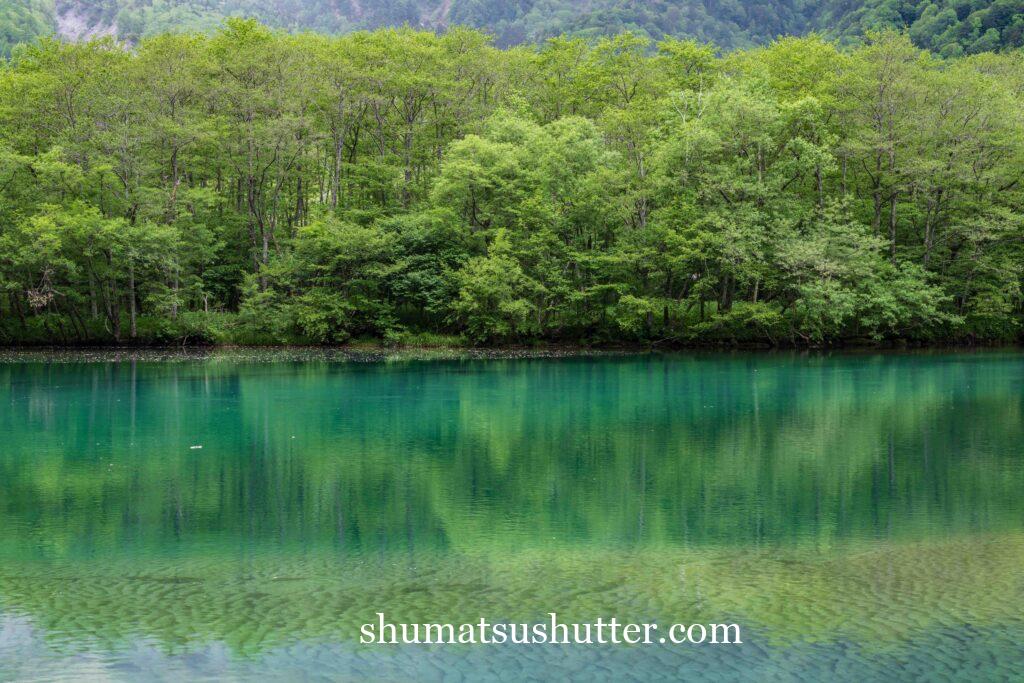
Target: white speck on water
{"x":194,"y":448}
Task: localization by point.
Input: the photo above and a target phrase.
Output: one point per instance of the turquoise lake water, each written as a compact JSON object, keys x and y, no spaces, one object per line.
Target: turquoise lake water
{"x":240,"y":515}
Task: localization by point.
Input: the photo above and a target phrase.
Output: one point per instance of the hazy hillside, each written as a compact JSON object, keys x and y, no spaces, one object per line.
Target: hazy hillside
{"x":22,"y":20}
{"x":949,"y":27}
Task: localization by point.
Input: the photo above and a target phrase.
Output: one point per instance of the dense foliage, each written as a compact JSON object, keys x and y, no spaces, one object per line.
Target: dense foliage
{"x":265,"y":187}
{"x":947,"y":27}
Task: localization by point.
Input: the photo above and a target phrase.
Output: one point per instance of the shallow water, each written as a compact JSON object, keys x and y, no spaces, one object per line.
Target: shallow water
{"x":861,"y":516}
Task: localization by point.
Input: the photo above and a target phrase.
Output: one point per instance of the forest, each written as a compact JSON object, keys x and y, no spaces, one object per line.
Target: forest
{"x":258,"y":187}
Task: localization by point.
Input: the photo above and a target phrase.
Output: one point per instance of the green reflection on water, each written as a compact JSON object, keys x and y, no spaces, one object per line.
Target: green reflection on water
{"x":812,"y":499}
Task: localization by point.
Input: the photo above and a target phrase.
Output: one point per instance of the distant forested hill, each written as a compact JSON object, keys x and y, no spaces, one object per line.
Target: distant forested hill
{"x":23,"y":20}
{"x":948,"y":27}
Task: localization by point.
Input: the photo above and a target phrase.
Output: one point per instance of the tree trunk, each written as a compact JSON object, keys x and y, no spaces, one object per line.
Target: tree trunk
{"x":892,"y":227}
{"x":94,"y":304}
{"x":174,"y":293}
{"x":132,"y":328}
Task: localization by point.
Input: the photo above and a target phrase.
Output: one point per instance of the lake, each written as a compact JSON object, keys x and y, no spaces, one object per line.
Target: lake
{"x":240,"y":515}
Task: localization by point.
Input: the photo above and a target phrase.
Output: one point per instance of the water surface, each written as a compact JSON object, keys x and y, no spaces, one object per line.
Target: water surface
{"x":860,"y":516}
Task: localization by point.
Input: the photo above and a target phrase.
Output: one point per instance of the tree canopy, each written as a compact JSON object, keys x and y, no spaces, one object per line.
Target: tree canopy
{"x":250,"y":185}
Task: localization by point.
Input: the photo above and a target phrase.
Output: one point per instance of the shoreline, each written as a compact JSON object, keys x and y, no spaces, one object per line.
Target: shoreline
{"x":368,"y":353}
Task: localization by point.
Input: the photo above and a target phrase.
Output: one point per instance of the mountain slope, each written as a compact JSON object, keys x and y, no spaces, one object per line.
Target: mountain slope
{"x":948,"y":27}
{"x":23,"y":20}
